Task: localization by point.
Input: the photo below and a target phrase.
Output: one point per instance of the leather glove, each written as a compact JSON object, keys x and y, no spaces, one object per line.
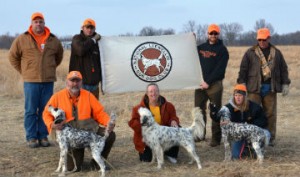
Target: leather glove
{"x":214,"y":112}
{"x":285,"y":90}
{"x":96,"y":38}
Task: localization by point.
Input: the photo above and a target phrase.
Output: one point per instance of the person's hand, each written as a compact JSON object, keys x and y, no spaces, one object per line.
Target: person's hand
{"x":224,"y":122}
{"x":174,"y":123}
{"x":96,"y":38}
{"x":110,"y":127}
{"x":204,"y":85}
{"x":58,"y":126}
{"x":285,"y":90}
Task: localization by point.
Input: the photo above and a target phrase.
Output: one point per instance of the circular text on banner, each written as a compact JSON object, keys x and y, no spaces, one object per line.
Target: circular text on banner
{"x":151,"y":62}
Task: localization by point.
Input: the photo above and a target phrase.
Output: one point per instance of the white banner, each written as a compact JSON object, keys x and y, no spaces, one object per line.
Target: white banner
{"x":130,"y":63}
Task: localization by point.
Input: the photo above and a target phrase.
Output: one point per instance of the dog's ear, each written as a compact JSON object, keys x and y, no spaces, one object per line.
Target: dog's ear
{"x":144,"y":120}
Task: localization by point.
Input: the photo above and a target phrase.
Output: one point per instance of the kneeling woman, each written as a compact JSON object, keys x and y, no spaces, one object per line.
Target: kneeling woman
{"x":164,"y":114}
{"x":242,"y":110}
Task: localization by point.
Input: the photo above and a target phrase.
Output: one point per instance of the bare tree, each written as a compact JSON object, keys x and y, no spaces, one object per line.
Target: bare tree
{"x":169,"y":31}
{"x":150,"y":31}
{"x":126,"y":34}
{"x":6,"y":40}
{"x":230,"y":32}
{"x":147,"y":31}
{"x":261,"y":23}
{"x":199,"y":30}
{"x":190,"y":27}
{"x":201,"y":33}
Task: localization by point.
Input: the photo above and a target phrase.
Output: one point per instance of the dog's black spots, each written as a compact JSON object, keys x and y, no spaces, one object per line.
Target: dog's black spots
{"x":161,"y":138}
{"x":239,"y":131}
{"x":70,"y":138}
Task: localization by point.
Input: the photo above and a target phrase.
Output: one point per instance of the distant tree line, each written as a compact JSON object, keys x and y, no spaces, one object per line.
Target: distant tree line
{"x":231,"y":33}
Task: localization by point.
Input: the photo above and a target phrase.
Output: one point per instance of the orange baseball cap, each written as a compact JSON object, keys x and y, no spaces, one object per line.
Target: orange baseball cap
{"x":74,"y":75}
{"x":241,"y":89}
{"x":88,"y":22}
{"x":37,"y":14}
{"x":263,"y":33}
{"x":213,"y":27}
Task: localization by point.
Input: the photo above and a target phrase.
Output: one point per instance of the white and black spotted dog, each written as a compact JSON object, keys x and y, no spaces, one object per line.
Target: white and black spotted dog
{"x":161,"y":138}
{"x":71,"y":138}
{"x":231,"y":131}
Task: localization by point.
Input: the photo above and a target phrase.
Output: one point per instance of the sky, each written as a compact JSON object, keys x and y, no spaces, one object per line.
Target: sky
{"x":115,"y":17}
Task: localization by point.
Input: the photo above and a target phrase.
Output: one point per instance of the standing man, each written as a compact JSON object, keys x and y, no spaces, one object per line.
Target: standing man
{"x":36,"y":54}
{"x":265,"y":73}
{"x":213,"y":57}
{"x":85,"y":56}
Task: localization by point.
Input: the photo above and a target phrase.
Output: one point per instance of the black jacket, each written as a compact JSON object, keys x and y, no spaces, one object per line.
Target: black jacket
{"x":213,"y":60}
{"x":255,"y":114}
{"x":85,"y":57}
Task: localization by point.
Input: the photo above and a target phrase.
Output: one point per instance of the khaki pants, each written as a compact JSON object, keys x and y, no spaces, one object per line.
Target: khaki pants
{"x":79,"y":153}
{"x":214,"y":95}
{"x":269,"y":104}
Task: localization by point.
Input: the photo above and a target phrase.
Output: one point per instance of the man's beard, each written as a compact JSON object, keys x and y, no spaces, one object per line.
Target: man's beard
{"x":74,"y":90}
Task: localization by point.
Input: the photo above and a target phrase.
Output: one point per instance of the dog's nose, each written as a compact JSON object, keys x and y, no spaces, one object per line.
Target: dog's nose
{"x":55,"y":109}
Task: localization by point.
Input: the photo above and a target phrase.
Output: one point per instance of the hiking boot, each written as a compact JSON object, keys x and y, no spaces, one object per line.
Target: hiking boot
{"x":44,"y":142}
{"x":33,"y":143}
{"x":172,"y":160}
{"x":214,"y":144}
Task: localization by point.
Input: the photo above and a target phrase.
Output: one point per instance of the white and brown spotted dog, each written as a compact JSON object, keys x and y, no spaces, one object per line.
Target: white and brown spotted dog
{"x":71,"y":138}
{"x":161,"y":138}
{"x":232,"y":131}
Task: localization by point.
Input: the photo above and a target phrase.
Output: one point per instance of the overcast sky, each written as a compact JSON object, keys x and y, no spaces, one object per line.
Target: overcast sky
{"x":114,"y":17}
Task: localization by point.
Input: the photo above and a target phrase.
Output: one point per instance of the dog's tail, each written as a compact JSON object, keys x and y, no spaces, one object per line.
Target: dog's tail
{"x":198,"y":126}
{"x":111,"y":123}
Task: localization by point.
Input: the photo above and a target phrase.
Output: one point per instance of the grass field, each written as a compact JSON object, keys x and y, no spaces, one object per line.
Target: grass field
{"x":16,"y":159}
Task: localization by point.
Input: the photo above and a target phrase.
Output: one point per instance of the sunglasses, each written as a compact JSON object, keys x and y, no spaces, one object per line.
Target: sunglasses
{"x":90,"y":27}
{"x":213,"y":33}
{"x":264,"y":40}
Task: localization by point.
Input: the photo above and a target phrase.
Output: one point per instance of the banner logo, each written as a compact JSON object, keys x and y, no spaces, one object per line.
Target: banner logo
{"x":151,"y":62}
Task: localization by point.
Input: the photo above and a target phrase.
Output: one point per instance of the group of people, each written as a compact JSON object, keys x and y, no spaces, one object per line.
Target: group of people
{"x":37,"y":53}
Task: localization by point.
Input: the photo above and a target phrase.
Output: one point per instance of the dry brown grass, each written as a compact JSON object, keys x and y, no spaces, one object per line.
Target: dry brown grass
{"x":281,"y":160}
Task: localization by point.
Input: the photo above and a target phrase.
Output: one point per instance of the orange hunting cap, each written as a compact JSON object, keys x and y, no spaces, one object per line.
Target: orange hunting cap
{"x":213,"y":27}
{"x":37,"y":14}
{"x":89,"y":22}
{"x":263,"y":33}
{"x":74,"y":75}
{"x":241,"y":89}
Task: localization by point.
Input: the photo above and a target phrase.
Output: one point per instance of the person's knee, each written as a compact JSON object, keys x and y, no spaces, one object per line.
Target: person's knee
{"x":146,"y":156}
{"x":235,"y":155}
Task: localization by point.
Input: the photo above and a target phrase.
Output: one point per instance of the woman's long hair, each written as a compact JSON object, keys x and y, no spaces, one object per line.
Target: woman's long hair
{"x":244,"y":106}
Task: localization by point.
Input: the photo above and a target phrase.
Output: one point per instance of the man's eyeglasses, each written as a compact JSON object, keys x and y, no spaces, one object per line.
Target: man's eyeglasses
{"x":90,"y":27}
{"x":264,"y":40}
{"x":213,"y":33}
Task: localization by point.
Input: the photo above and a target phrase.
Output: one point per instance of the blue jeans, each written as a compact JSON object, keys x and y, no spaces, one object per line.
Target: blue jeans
{"x":36,"y":98}
{"x":236,"y":148}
